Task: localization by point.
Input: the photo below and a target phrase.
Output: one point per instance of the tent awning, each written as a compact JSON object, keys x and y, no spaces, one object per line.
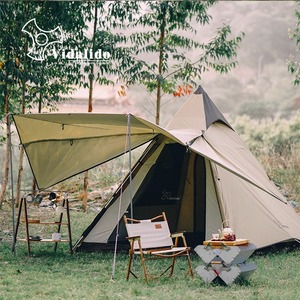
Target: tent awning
{"x":60,"y":146}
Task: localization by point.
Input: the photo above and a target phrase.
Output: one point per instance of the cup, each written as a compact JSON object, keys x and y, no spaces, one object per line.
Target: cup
{"x":56,"y":236}
{"x":215,"y":236}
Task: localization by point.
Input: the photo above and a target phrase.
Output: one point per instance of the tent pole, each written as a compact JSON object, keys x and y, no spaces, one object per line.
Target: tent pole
{"x":130,"y":173}
{"x":12,"y":184}
{"x":127,"y":142}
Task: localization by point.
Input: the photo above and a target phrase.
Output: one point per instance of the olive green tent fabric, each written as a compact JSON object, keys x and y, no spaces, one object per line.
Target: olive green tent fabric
{"x":196,"y":169}
{"x":59,"y":146}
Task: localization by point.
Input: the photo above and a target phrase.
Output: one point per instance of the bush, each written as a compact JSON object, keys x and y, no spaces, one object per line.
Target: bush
{"x":276,"y":144}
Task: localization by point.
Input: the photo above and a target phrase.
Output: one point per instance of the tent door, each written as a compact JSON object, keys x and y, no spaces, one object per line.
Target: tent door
{"x":192,"y":213}
{"x":199,"y":198}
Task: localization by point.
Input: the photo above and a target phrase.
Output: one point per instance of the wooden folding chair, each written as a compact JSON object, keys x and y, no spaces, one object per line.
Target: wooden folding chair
{"x":151,"y":239}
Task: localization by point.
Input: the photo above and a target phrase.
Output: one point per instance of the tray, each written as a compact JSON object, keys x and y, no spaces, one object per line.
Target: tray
{"x":237,"y":242}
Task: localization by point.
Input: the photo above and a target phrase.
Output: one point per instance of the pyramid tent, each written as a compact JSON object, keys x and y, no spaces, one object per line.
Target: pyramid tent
{"x":201,"y":174}
{"x":196,"y":169}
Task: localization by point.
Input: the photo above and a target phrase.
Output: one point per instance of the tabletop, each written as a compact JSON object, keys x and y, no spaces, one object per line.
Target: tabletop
{"x":237,"y":242}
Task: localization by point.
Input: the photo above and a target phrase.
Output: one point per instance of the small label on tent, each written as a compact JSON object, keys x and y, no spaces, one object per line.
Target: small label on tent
{"x":158,"y":226}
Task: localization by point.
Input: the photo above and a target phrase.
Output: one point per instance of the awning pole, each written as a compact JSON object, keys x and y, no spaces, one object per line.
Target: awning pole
{"x":127,"y":142}
{"x":12,"y":184}
{"x":130,"y":173}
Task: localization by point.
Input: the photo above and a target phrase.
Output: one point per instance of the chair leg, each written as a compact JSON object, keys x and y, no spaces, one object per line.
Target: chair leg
{"x":129,"y":266}
{"x":190,"y":265}
{"x":190,"y":270}
{"x":172,"y":266}
{"x":144,"y":267}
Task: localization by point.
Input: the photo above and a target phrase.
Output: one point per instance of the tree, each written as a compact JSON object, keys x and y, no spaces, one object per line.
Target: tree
{"x":91,"y":71}
{"x":9,"y":77}
{"x":294,"y":65}
{"x":38,"y":83}
{"x":101,"y":41}
{"x":41,"y":82}
{"x":165,"y":29}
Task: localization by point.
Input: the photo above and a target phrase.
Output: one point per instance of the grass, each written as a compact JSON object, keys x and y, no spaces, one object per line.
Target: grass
{"x":50,"y":275}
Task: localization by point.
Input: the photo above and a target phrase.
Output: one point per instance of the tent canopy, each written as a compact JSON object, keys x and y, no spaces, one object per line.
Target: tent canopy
{"x":60,"y":146}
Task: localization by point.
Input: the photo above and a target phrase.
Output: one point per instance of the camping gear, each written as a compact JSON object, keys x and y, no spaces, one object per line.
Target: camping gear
{"x":196,"y":169}
{"x":227,"y":233}
{"x":151,"y":239}
{"x":34,"y":199}
{"x":225,"y":260}
{"x":56,"y":236}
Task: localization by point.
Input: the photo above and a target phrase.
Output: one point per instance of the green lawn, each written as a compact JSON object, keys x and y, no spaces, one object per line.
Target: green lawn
{"x":49,"y":275}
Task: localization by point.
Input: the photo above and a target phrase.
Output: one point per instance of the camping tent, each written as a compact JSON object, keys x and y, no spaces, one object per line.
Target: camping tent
{"x":196,"y":169}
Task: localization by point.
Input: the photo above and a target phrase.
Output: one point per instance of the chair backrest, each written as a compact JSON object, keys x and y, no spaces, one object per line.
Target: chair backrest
{"x":153,"y":233}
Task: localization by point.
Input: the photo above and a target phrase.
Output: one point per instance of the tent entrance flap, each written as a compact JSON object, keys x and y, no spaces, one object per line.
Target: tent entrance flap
{"x":176,"y":184}
{"x":199,"y":199}
{"x":192,"y":216}
{"x":162,"y":188}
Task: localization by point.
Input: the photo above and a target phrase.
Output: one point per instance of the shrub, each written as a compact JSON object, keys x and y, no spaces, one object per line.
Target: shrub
{"x":276,"y":144}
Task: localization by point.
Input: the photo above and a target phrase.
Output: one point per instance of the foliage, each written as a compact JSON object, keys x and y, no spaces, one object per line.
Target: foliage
{"x":30,"y":83}
{"x":269,"y":135}
{"x":105,"y":40}
{"x":172,"y":20}
{"x":32,"y":72}
{"x":294,"y":65}
{"x":276,"y":144}
{"x":168,"y":36}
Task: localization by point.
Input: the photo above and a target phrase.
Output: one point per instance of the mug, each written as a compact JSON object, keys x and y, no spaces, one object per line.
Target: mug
{"x":56,"y":236}
{"x":215,"y":236}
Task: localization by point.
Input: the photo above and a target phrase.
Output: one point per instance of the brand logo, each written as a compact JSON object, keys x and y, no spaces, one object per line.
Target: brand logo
{"x":167,"y":195}
{"x":42,"y":40}
{"x":50,"y":43}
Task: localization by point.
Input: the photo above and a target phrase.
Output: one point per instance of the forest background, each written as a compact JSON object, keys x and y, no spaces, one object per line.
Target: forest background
{"x":258,"y":97}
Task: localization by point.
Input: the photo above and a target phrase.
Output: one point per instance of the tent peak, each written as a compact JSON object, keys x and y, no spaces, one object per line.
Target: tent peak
{"x":199,"y":90}
{"x":212,"y":112}
{"x":198,"y":113}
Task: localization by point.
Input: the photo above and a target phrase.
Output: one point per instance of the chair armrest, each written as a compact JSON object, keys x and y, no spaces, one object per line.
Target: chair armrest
{"x":177,"y":234}
{"x":133,"y":237}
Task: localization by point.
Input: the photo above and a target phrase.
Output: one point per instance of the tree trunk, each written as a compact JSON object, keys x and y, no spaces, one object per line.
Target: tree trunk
{"x":158,"y":94}
{"x":86,"y":173}
{"x":90,"y":108}
{"x":7,"y":156}
{"x":21,"y":156}
{"x":7,"y":90}
{"x":40,"y":102}
{"x":85,"y":190}
{"x":91,"y":81}
{"x":19,"y":180}
{"x":158,"y":99}
{"x":33,"y":186}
